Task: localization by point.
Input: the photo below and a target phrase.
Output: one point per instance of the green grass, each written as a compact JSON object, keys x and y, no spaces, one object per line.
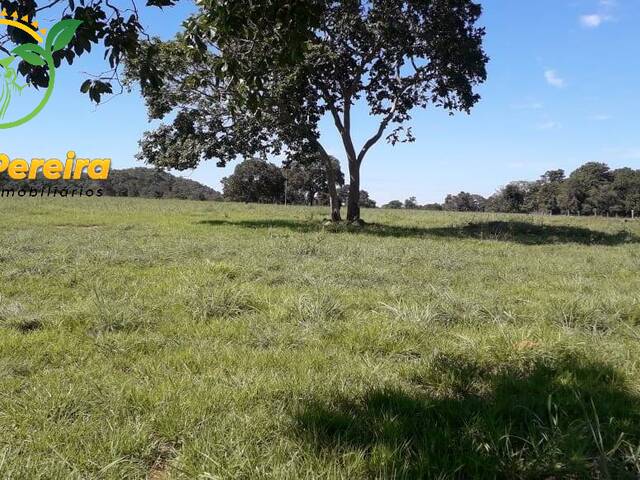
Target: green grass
{"x":174,"y":339}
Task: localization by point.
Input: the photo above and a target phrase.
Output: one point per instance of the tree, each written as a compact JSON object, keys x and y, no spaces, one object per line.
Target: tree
{"x":513,"y":196}
{"x":591,"y":189}
{"x":549,"y":190}
{"x":436,"y":207}
{"x":393,"y":204}
{"x":411,"y":203}
{"x":626,"y":185}
{"x":254,"y":180}
{"x":553,"y":176}
{"x":393,"y":55}
{"x":308,"y":177}
{"x":510,"y":199}
{"x":464,"y":202}
{"x":581,"y":191}
{"x":570,"y":197}
{"x":365,"y":201}
{"x":479,"y":202}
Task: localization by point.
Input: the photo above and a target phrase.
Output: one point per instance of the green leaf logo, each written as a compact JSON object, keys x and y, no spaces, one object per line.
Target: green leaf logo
{"x":61,"y":34}
{"x":31,"y":53}
{"x":58,"y":38}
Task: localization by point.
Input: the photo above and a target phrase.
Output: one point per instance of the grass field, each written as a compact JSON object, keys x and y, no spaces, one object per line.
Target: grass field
{"x":174,"y":339}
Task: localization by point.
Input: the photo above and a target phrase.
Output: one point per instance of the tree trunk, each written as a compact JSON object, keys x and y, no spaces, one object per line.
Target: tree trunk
{"x":334,"y":201}
{"x":353,"y":203}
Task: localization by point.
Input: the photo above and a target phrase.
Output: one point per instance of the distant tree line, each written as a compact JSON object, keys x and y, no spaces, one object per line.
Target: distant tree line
{"x":412,"y":204}
{"x":592,"y":189}
{"x":131,"y":182}
{"x":298,"y":182}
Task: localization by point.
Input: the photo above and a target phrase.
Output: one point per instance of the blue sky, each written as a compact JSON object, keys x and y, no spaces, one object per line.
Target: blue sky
{"x":563,"y":89}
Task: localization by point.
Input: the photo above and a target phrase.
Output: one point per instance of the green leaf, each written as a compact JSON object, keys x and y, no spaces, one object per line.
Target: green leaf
{"x":61,"y":34}
{"x":84,"y":88}
{"x":30,"y":53}
{"x":5,"y":62}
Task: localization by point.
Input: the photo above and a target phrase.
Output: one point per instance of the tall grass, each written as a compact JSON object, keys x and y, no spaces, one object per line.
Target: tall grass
{"x":174,"y":339}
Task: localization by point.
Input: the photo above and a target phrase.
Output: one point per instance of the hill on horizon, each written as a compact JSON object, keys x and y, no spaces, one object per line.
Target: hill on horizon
{"x":128,"y":182}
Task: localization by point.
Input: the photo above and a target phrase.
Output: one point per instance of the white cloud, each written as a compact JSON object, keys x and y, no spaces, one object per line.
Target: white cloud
{"x":593,"y":21}
{"x":553,"y":79}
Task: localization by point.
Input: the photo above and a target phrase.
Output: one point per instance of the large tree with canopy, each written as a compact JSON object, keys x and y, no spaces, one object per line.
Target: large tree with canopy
{"x":248,"y":78}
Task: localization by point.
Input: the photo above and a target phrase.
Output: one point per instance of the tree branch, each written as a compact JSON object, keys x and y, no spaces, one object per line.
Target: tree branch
{"x":405,"y":83}
{"x":372,"y":141}
{"x":347,"y":113}
{"x":44,"y":7}
{"x":384,"y":123}
{"x":344,"y":133}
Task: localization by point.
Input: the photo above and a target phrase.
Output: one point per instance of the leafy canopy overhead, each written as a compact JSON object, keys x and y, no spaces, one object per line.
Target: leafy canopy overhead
{"x":251,"y":76}
{"x":114,"y":26}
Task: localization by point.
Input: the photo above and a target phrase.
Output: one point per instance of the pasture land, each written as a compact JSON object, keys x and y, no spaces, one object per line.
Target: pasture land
{"x":174,"y":339}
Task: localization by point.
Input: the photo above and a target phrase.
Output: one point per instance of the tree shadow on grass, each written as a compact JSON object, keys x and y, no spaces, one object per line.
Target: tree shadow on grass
{"x":544,"y":423}
{"x":508,"y":231}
